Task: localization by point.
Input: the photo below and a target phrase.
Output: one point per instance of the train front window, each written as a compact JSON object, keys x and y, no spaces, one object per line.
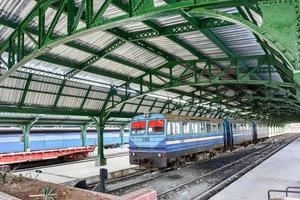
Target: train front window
{"x":138,"y":128}
{"x":156,"y":126}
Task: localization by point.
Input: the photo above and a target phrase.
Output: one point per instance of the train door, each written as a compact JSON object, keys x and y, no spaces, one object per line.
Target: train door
{"x":254,"y":130}
{"x":228,"y":137}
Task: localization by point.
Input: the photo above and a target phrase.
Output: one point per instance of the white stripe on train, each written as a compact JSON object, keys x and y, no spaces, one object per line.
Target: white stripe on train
{"x":193,"y":140}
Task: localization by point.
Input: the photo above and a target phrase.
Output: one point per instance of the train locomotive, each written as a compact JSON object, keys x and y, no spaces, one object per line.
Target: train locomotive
{"x":159,"y":141}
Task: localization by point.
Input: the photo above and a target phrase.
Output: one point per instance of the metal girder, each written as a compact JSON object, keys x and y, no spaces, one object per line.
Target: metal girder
{"x":25,"y":90}
{"x":177,"y":29}
{"x":271,"y":30}
{"x":145,"y":10}
{"x":46,"y":42}
{"x":216,"y":78}
{"x":85,"y":97}
{"x":90,"y":61}
{"x":61,"y":88}
{"x":138,"y":107}
{"x":61,"y":111}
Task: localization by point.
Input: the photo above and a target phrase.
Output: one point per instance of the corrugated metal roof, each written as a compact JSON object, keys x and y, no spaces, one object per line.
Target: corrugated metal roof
{"x":70,"y":53}
{"x":96,"y":78}
{"x":69,"y":102}
{"x":202,"y":44}
{"x":40,"y":99}
{"x":97,"y":40}
{"x":139,"y":56}
{"x":239,"y":40}
{"x":169,"y":20}
{"x":117,"y":67}
{"x":9,"y":96}
{"x":16,"y":10}
{"x":134,"y":27}
{"x":172,"y":48}
{"x":48,"y":77}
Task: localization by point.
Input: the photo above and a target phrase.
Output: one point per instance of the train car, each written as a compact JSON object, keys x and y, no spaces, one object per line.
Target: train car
{"x":56,"y":138}
{"x":242,"y":132}
{"x":158,"y":140}
{"x":275,"y":130}
{"x":262,"y":130}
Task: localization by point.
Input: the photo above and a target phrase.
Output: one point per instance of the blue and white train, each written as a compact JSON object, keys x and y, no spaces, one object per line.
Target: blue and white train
{"x":157,"y":140}
{"x":56,"y":138}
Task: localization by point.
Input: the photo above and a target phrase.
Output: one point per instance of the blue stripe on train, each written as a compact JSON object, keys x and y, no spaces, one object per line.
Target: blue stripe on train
{"x":180,"y":147}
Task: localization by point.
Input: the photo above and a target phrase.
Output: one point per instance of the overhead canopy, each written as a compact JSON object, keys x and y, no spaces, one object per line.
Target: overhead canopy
{"x":78,"y":58}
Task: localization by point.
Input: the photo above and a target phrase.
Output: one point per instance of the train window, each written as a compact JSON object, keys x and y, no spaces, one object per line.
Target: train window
{"x":186,"y":127}
{"x":199,"y":127}
{"x":173,"y":128}
{"x":138,"y":128}
{"x":208,"y":127}
{"x":195,"y":128}
{"x":202,"y":128}
{"x":235,"y":127}
{"x":214,"y":128}
{"x":220,"y":126}
{"x":156,"y":126}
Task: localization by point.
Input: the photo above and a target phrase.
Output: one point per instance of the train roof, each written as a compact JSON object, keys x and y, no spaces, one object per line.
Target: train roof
{"x":175,"y":117}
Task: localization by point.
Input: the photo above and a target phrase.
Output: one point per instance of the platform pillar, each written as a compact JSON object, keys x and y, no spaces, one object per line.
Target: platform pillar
{"x":84,"y":135}
{"x":100,"y":124}
{"x":26,"y":134}
{"x":122,"y":135}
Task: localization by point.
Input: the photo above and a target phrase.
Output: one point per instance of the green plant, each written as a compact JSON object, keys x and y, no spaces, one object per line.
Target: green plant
{"x":3,"y":177}
{"x":48,"y":192}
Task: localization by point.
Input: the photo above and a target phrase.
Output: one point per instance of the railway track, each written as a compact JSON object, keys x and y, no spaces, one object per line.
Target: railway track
{"x":54,"y":163}
{"x":245,"y":163}
{"x":213,"y":175}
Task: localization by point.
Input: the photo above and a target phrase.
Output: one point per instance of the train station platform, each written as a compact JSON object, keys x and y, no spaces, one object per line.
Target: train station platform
{"x":70,"y":173}
{"x":278,"y":172}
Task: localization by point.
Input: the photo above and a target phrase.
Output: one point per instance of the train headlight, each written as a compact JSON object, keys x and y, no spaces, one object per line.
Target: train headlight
{"x":159,"y":155}
{"x":133,"y":154}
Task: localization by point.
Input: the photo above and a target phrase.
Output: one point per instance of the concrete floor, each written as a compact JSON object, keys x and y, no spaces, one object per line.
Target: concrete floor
{"x":73,"y":171}
{"x":278,"y":172}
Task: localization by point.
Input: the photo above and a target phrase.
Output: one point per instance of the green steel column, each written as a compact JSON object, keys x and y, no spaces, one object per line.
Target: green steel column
{"x":83,"y":135}
{"x":100,"y":124}
{"x":101,"y":160}
{"x":26,"y":134}
{"x":122,"y":135}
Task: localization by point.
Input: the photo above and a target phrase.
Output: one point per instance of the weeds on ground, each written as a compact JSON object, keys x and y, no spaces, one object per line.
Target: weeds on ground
{"x":48,"y":193}
{"x":3,"y":177}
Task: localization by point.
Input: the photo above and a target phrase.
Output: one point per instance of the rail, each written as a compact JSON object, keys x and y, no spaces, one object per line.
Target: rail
{"x":286,"y":191}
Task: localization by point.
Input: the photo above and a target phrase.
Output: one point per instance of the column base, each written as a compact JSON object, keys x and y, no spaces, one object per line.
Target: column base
{"x":100,"y":161}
